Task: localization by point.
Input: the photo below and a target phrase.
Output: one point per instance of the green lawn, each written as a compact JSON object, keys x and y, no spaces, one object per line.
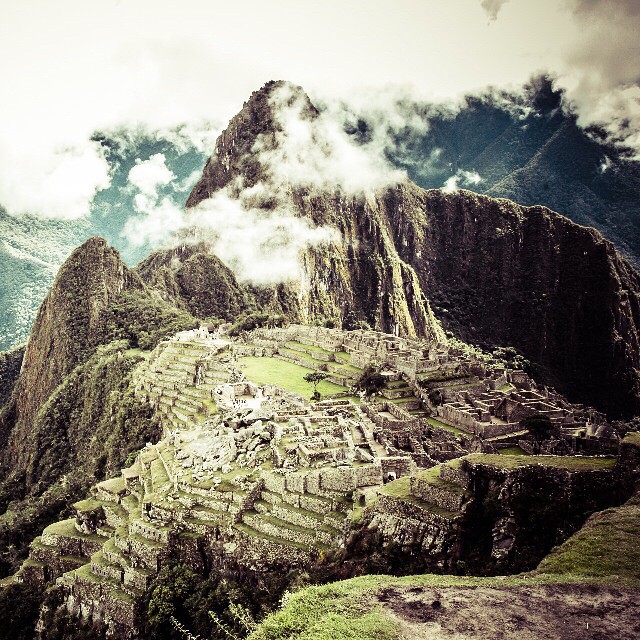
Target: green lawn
{"x":512,"y":451}
{"x":287,"y":375}
{"x":607,"y":545}
{"x":447,"y":427}
{"x":575,"y":463}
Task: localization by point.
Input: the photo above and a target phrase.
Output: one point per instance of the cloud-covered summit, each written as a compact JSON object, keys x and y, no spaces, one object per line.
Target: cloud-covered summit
{"x":112,"y":68}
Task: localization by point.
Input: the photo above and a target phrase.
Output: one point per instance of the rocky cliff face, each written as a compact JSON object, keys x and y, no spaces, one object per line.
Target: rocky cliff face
{"x":501,"y":274}
{"x":497,"y":273}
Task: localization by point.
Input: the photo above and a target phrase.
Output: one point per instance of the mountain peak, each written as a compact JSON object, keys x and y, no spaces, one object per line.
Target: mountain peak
{"x":233,"y":155}
{"x":69,"y":324}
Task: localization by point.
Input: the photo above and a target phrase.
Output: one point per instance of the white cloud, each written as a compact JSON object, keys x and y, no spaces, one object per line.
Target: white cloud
{"x":601,"y":68}
{"x":60,"y":182}
{"x":261,"y":246}
{"x":314,"y":151}
{"x":469,"y":178}
{"x":159,"y":218}
{"x":72,"y":67}
{"x":149,"y":175}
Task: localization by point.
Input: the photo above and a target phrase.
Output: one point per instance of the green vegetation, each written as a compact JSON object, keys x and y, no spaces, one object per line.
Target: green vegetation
{"x":67,"y":528}
{"x":60,"y":625}
{"x":573,"y":463}
{"x":397,"y":488}
{"x":607,"y":545}
{"x":540,"y":428}
{"x":284,"y":374}
{"x":512,"y":451}
{"x":330,"y":612}
{"x":447,"y":427}
{"x":220,"y":605}
{"x":83,"y":433}
{"x":19,"y":605}
{"x":250,"y":321}
{"x":10,"y":362}
{"x":633,"y":438}
{"x":87,"y":505}
{"x":315,"y":378}
{"x":145,"y":321}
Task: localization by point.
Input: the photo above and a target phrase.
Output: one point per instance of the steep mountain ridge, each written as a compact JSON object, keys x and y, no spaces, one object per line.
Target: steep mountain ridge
{"x":529,"y":148}
{"x":71,"y":416}
{"x":69,"y":324}
{"x":500,"y":273}
{"x":524,"y":145}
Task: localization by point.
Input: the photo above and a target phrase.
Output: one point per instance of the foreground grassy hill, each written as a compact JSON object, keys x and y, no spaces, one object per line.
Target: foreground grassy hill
{"x":590,"y":585}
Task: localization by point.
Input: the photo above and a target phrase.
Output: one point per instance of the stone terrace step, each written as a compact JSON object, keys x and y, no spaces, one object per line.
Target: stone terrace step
{"x":254,"y":533}
{"x":101,"y":566}
{"x":115,"y":555}
{"x":272,"y":526}
{"x":110,"y":490}
{"x":297,"y":516}
{"x":150,"y":530}
{"x":452,"y":472}
{"x":430,"y":487}
{"x":69,"y":540}
{"x":397,"y":392}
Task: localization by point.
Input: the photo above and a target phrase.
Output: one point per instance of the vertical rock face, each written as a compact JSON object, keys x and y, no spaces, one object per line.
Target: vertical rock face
{"x":498,"y":273}
{"x":70,"y":322}
{"x":10,"y":363}
{"x":189,"y":278}
{"x":233,"y":155}
{"x":503,"y":274}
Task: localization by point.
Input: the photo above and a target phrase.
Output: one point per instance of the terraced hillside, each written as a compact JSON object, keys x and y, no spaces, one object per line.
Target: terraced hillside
{"x":250,"y":472}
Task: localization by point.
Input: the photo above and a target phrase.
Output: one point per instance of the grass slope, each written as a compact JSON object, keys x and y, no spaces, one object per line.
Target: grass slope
{"x":592,"y":572}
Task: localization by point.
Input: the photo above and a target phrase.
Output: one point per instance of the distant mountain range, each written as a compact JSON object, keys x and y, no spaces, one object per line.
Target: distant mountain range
{"x":524,"y":147}
{"x":530,"y":150}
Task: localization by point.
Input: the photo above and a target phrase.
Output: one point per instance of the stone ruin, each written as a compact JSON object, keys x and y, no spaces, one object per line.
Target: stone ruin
{"x":269,"y":477}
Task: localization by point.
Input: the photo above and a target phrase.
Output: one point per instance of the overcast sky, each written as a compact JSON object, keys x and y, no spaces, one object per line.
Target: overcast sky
{"x":71,"y":67}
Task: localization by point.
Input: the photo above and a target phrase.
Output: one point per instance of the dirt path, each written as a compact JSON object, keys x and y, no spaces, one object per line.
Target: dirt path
{"x":549,"y":612}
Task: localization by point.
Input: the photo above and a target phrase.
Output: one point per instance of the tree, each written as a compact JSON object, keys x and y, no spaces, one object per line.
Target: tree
{"x":371,"y":381}
{"x":540,"y":428}
{"x":315,"y":378}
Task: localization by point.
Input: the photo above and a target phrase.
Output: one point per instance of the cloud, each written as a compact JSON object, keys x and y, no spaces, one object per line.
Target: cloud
{"x":601,"y":68}
{"x":313,"y":150}
{"x":492,"y":7}
{"x":159,"y":217}
{"x":58,"y":183}
{"x":111,"y":66}
{"x":149,"y":175}
{"x":469,"y":178}
{"x":260,"y":245}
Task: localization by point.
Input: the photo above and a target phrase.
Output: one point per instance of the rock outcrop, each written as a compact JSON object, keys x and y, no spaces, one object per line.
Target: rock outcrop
{"x":492,"y":513}
{"x":497,"y":273}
